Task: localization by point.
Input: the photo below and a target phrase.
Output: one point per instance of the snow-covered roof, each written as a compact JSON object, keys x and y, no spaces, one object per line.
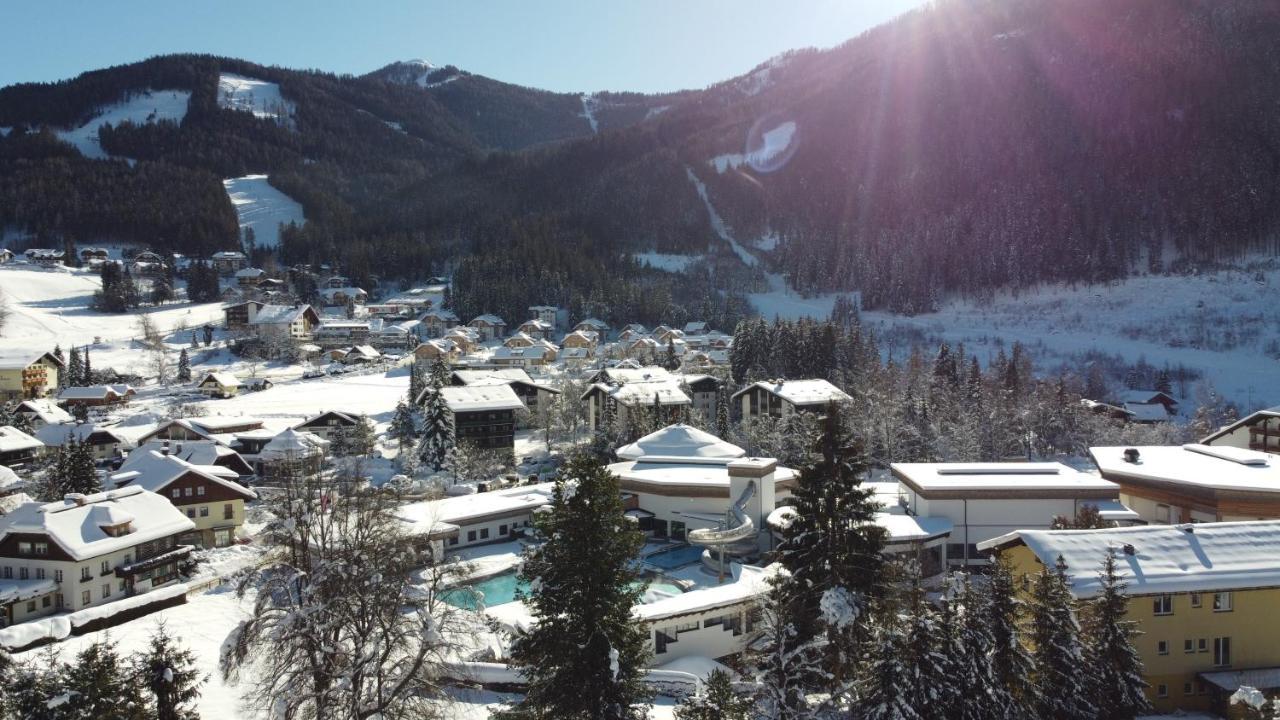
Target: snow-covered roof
{"x":534,"y":351}
{"x":153,"y":470}
{"x":594,"y":323}
{"x":279,"y":314}
{"x":1212,"y":467}
{"x":497,"y":376}
{"x":16,"y":359}
{"x":228,"y":255}
{"x":250,"y":273}
{"x":291,"y":442}
{"x":90,"y":392}
{"x":196,"y":452}
{"x":903,"y":528}
{"x":487,"y":320}
{"x":1204,"y":557}
{"x":473,"y":398}
{"x":1247,"y":421}
{"x":224,"y":379}
{"x":1013,"y":479}
{"x":431,"y":516}
{"x":750,"y":584}
{"x":801,"y":392}
{"x":223,"y":423}
{"x":1146,"y":412}
{"x":1231,"y":680}
{"x":443,"y":315}
{"x":75,"y":525}
{"x":12,"y":591}
{"x":14,"y":440}
{"x":680,"y":441}
{"x":57,"y":435}
{"x":46,"y":410}
{"x":9,"y":480}
{"x":666,"y":392}
{"x":1144,"y":396}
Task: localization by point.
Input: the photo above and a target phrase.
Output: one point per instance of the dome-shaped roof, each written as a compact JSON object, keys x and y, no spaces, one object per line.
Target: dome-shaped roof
{"x":680,"y":441}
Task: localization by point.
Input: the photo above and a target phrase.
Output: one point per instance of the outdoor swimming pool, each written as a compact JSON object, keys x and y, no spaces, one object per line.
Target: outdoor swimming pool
{"x":501,"y":589}
{"x":675,"y":557}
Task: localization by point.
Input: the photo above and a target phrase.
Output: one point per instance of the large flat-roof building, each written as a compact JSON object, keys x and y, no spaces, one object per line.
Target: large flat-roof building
{"x":986,"y":500}
{"x":1194,"y":482}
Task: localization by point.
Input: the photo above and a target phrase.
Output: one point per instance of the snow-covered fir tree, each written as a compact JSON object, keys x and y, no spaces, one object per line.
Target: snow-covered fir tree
{"x":75,"y":369}
{"x":1062,"y":680}
{"x":404,"y":427}
{"x":982,"y":696}
{"x":1012,"y":665}
{"x":586,"y":652}
{"x":1116,"y":665}
{"x":361,"y":438}
{"x":833,"y":549}
{"x":417,"y":381}
{"x":787,"y":665}
{"x":885,"y":690}
{"x":100,"y":684}
{"x":169,"y":672}
{"x":438,"y":438}
{"x":715,"y":700}
{"x":184,"y":367}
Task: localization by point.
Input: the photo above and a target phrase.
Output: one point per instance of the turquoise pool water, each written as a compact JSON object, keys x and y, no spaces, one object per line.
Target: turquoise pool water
{"x":675,"y":557}
{"x":501,"y":589}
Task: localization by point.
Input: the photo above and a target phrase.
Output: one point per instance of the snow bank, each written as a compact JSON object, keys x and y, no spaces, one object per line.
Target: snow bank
{"x":589,"y":106}
{"x":25,"y":634}
{"x":262,"y":98}
{"x":262,"y":207}
{"x":106,"y":610}
{"x":147,"y":107}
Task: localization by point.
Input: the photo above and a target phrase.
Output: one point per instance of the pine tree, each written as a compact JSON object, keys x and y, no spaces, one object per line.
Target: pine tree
{"x":403,"y":428}
{"x":1061,"y":677}
{"x":184,"y":367}
{"x":30,"y":686}
{"x":885,"y":687}
{"x":339,"y":442}
{"x":80,"y":412}
{"x":723,"y":401}
{"x":438,"y":432}
{"x":585,"y":654}
{"x":77,"y":471}
{"x":1011,"y":664}
{"x":1116,"y":664}
{"x":363,"y":441}
{"x":982,"y":697}
{"x":75,"y":369}
{"x":787,"y":665}
{"x":833,"y":549}
{"x":208,"y":335}
{"x":716,"y":700}
{"x":171,"y":676}
{"x":195,"y":342}
{"x":101,"y":685}
{"x":62,"y":374}
{"x":86,"y":370}
{"x":417,"y":381}
{"x":672,"y":361}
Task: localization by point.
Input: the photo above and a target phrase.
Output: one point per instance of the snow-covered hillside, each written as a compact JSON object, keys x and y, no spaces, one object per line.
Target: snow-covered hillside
{"x":262,"y":207}
{"x":146,"y":107}
{"x":48,"y":307}
{"x":262,"y":98}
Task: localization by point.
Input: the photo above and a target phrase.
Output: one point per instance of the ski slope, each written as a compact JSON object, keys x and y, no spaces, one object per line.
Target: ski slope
{"x":262,"y":98}
{"x":146,"y":107}
{"x":262,"y":207}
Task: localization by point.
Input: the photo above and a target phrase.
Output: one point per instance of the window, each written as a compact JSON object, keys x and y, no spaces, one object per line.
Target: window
{"x":1163,"y":605}
{"x":39,"y":573}
{"x":1222,"y":652}
{"x":177,"y":492}
{"x":84,"y":574}
{"x":57,"y":575}
{"x":41,"y":548}
{"x":204,"y":511}
{"x":453,"y":540}
{"x":1188,"y":689}
{"x":191,"y":512}
{"x":1202,"y":645}
{"x":1195,"y":600}
{"x":1222,"y":602}
{"x":84,"y":598}
{"x":471,"y":536}
{"x":1162,"y":647}
{"x":24,"y":548}
{"x":1188,"y":646}
{"x":502,"y":530}
{"x":106,"y":567}
{"x":31,"y":606}
{"x":187,"y":492}
{"x":484,"y":533}
{"x":23,"y":573}
{"x":227,"y":512}
{"x":106,"y":590}
{"x":200,"y":490}
{"x":1162,"y":691}
{"x":46,"y":601}
{"x":8,"y":572}
{"x":57,"y":599}
{"x":1163,"y":515}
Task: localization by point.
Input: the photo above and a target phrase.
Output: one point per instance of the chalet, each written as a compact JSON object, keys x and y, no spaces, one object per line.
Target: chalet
{"x":594,"y":325}
{"x":630,"y":334}
{"x":103,"y":443}
{"x":783,"y":397}
{"x":546,"y":314}
{"x":432,"y":349}
{"x":329,"y":422}
{"x":1115,"y":412}
{"x":625,"y":399}
{"x":291,"y":454}
{"x":437,"y":321}
{"x":519,"y":340}
{"x":703,"y":390}
{"x":89,"y":254}
{"x":466,"y":339}
{"x":662,"y":334}
{"x":575,"y":357}
{"x":532,"y":394}
{"x":217,"y":428}
{"x":336,"y":333}
{"x":1259,"y":431}
{"x":207,"y":494}
{"x":203,"y":452}
{"x":483,"y":415}
{"x":335,"y":281}
{"x":987,"y":500}
{"x":25,"y":374}
{"x":343,"y":295}
{"x":228,"y":262}
{"x":536,"y":356}
{"x":219,"y":385}
{"x":88,"y":550}
{"x":580,"y":339}
{"x":231,"y":295}
{"x":1132,"y":399}
{"x":39,"y":413}
{"x":11,"y":490}
{"x":355,"y":355}
{"x":17,"y":448}
{"x":6,"y":256}
{"x":284,"y":321}
{"x":628,"y":372}
{"x":1193,"y":483}
{"x":489,"y":327}
{"x":241,"y":314}
{"x":695,"y":327}
{"x":635,"y":329}
{"x":270,"y":287}
{"x":399,"y":336}
{"x":96,"y":395}
{"x":537,"y":329}
{"x":45,"y":256}
{"x":249,"y":277}
{"x":642,"y":348}
{"x":1201,"y":598}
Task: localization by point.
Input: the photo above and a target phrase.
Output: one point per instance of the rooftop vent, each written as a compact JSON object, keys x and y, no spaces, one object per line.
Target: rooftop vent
{"x":1129,"y":549}
{"x":1131,"y":455}
{"x":77,"y":498}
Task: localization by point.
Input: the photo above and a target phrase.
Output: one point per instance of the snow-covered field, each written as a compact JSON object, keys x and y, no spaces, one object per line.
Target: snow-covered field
{"x":667,"y":261}
{"x":50,"y":307}
{"x":262,"y":207}
{"x":287,"y":404}
{"x":262,"y":98}
{"x":772,"y":145}
{"x":146,"y":107}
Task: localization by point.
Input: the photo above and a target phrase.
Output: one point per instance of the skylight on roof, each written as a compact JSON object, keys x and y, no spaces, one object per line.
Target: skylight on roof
{"x":1230,"y":454}
{"x":997,"y":470}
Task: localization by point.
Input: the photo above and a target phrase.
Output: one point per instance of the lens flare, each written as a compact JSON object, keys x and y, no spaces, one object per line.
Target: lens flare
{"x":772,"y":142}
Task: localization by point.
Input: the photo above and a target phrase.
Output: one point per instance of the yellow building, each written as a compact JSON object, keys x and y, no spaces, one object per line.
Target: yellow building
{"x":25,"y":375}
{"x":1205,"y":597}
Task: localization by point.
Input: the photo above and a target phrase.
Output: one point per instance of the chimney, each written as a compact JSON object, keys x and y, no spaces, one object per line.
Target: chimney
{"x":1129,"y":549}
{"x":1131,"y":455}
{"x":77,"y":498}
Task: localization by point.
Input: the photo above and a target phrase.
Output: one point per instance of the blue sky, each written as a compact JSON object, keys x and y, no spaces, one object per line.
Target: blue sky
{"x":649,"y":45}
